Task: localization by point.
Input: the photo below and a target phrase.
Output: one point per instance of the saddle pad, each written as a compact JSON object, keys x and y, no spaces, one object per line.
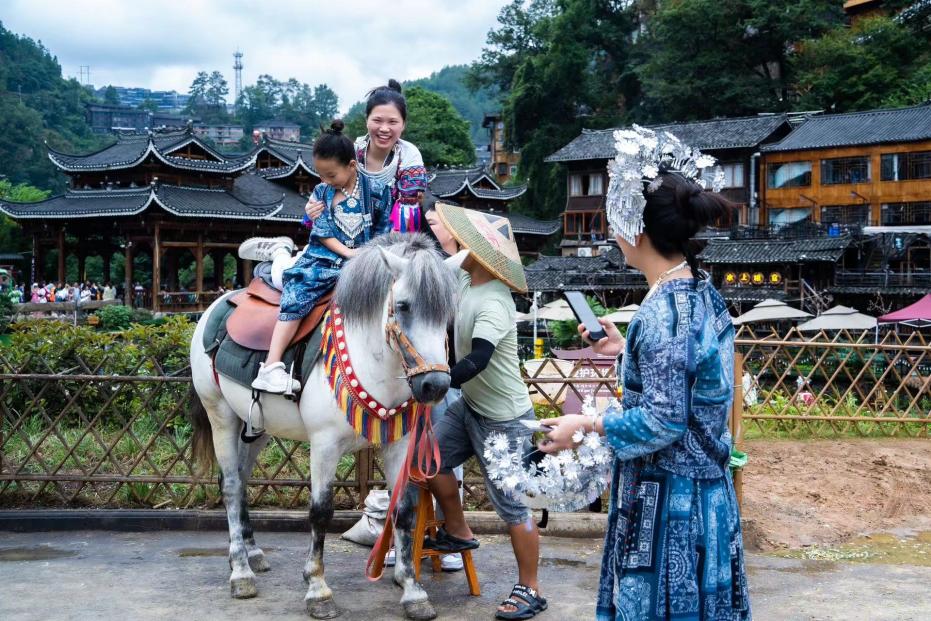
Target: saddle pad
{"x":252,"y":322}
{"x":215,"y":329}
{"x":241,"y":365}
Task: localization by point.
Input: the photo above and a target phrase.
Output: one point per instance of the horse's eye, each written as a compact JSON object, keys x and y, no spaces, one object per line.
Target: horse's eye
{"x":404,"y":307}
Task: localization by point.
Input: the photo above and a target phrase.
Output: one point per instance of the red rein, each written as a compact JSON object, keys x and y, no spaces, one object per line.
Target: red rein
{"x":421,"y":464}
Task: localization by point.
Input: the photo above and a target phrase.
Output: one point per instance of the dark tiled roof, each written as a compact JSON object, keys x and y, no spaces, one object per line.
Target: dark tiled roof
{"x":292,"y":209}
{"x":446,"y":183}
{"x":288,"y":151}
{"x":605,"y":271}
{"x":251,"y":198}
{"x":525,"y":225}
{"x":770,"y":251}
{"x":82,"y":204}
{"x":449,"y":181}
{"x":132,"y":149}
{"x":737,"y":133}
{"x":859,"y":128}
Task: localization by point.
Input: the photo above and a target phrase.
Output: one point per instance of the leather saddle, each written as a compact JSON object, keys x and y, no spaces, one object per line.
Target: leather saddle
{"x":256,"y":311}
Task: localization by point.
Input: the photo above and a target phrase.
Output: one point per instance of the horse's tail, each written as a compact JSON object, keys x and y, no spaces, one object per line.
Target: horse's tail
{"x":202,"y":441}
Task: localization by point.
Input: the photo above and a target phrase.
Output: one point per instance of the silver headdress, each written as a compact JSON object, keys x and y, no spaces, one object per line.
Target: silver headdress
{"x":642,"y":154}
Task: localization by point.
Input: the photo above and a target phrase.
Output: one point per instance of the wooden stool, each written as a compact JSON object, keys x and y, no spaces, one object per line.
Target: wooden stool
{"x":426,"y":524}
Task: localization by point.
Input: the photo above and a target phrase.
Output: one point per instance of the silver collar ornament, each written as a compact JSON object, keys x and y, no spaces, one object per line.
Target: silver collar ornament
{"x":642,"y":154}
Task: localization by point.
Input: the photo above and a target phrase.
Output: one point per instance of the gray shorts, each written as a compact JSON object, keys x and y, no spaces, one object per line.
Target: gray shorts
{"x":461,"y":433}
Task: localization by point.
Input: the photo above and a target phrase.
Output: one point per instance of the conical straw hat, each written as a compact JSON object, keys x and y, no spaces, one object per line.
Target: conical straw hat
{"x":490,"y":239}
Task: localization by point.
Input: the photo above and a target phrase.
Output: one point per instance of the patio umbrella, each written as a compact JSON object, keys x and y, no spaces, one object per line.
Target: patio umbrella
{"x":917,"y":315}
{"x":839,"y":318}
{"x":771,"y":310}
{"x":623,"y":315}
{"x":557,"y":310}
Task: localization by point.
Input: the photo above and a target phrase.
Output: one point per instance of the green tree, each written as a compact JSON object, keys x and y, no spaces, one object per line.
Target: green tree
{"x":36,"y":105}
{"x":217,"y":90}
{"x":704,"y":58}
{"x":441,"y":134}
{"x":11,"y":237}
{"x":564,"y":65}
{"x":110,"y":96}
{"x":149,"y":104}
{"x":880,"y":61}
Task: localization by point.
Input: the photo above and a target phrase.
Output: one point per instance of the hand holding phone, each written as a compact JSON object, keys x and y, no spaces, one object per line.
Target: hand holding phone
{"x":535,"y":425}
{"x":585,"y":315}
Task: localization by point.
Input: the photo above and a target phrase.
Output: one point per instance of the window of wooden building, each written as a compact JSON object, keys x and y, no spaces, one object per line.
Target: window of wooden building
{"x":789,"y":175}
{"x":894,"y":214}
{"x":840,"y":170}
{"x":586,"y":185}
{"x":905,"y":166}
{"x":733,"y":174}
{"x":846,"y":214}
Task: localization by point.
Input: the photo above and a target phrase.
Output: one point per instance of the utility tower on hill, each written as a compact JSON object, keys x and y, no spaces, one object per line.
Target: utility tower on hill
{"x":237,"y":67}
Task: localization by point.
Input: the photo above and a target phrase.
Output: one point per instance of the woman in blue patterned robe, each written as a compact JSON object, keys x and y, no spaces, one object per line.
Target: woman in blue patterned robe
{"x":673,"y":547}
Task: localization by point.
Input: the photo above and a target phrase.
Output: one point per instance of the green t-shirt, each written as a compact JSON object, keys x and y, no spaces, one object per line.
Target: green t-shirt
{"x":487,"y":312}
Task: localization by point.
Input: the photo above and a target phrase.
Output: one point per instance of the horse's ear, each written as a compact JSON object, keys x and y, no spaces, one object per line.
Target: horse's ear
{"x":455,"y":262}
{"x":396,"y":264}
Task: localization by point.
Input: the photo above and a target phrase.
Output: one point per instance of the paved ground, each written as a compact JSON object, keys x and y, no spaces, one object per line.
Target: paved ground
{"x":107,"y":576}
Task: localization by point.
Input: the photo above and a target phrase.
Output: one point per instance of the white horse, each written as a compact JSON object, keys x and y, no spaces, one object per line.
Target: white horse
{"x":396,"y":284}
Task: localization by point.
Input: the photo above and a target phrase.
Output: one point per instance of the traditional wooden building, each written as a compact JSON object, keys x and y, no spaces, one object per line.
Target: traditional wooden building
{"x":475,"y":188}
{"x":172,"y":198}
{"x":868,"y":173}
{"x":504,"y":157}
{"x":734,"y":142}
{"x":861,"y":168}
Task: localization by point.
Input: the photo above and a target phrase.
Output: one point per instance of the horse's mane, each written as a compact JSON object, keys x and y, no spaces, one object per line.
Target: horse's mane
{"x":364,"y":282}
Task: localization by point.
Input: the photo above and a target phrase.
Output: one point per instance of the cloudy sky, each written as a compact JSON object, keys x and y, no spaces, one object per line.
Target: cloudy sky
{"x":352,"y":45}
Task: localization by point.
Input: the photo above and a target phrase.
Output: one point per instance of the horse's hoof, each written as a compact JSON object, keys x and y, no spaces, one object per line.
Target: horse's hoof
{"x":322,"y":608}
{"x":258,"y":563}
{"x":243,"y":588}
{"x":420,"y":611}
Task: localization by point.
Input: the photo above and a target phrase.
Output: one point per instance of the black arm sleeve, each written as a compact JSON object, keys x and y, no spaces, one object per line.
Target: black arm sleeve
{"x":473,"y":364}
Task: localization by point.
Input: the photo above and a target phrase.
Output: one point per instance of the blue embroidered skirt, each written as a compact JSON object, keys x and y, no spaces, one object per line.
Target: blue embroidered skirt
{"x":673,"y":549}
{"x":308,"y":280}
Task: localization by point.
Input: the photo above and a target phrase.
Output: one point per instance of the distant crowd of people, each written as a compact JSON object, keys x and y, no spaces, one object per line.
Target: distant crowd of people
{"x":42,"y":292}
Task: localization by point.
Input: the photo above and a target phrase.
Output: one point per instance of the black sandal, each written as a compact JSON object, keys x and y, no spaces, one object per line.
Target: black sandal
{"x":449,"y":544}
{"x":527,"y":609}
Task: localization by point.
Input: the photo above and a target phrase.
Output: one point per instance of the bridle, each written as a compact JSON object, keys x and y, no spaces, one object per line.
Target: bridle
{"x":397,"y":340}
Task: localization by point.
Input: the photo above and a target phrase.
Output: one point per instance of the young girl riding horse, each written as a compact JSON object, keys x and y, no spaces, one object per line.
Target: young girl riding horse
{"x":354,"y":212}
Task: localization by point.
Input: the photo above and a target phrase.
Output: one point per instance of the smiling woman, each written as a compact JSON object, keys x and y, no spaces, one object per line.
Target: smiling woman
{"x":389,"y":160}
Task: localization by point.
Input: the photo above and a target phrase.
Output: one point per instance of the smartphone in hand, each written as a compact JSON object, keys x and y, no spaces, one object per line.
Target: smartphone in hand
{"x":585,"y":315}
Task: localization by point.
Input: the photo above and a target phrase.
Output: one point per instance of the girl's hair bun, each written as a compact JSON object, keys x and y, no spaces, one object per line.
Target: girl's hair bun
{"x":394,"y":85}
{"x":336,"y":127}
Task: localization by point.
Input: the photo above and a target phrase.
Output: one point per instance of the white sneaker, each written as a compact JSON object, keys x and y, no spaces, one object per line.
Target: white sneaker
{"x":451,"y":562}
{"x":391,"y":558}
{"x":265,"y":248}
{"x":274,"y":378}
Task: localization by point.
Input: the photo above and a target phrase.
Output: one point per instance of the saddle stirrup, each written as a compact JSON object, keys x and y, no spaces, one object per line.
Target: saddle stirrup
{"x":250,"y":432}
{"x":289,"y":391}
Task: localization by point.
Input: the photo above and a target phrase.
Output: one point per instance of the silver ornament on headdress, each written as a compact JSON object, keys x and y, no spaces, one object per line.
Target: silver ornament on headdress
{"x":642,"y":154}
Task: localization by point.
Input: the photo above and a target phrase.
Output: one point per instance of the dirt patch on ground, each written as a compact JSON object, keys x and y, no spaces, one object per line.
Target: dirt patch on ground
{"x":816,"y":492}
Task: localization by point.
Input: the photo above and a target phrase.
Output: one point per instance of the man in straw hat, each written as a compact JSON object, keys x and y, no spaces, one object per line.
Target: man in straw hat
{"x":494,"y":397}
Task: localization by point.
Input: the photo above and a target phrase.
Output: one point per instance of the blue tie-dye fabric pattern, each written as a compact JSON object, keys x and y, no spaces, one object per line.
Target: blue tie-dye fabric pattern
{"x":315,"y":272}
{"x":673,"y":549}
